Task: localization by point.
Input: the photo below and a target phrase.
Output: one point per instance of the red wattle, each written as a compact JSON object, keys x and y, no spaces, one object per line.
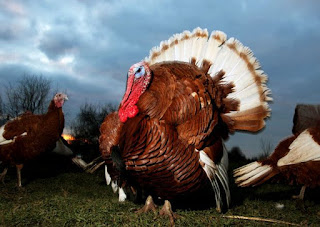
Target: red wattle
{"x":126,"y":112}
{"x":59,"y":103}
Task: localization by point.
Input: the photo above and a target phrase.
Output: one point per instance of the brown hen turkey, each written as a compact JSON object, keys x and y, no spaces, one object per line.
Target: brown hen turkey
{"x":179,"y":106}
{"x":27,"y":136}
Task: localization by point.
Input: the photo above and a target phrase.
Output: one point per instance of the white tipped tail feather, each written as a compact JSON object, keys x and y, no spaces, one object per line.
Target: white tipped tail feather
{"x":303,"y":149}
{"x":251,"y":174}
{"x":218,"y":176}
{"x":122,"y":195}
{"x":238,"y":63}
{"x":107,"y":175}
{"x":115,"y":187}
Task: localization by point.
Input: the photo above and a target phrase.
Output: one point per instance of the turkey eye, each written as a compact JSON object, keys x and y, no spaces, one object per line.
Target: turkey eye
{"x":140,"y":72}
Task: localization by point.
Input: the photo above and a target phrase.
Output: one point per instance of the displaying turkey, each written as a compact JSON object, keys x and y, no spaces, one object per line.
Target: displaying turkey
{"x":295,"y":160}
{"x":25,"y":137}
{"x":180,"y":103}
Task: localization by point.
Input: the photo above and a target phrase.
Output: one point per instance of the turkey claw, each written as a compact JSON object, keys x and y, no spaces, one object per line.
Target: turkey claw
{"x":167,"y":211}
{"x":149,"y":206}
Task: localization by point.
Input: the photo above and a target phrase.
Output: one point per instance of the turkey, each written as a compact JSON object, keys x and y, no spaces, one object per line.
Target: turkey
{"x":295,"y":160}
{"x":179,"y":106}
{"x":27,"y":136}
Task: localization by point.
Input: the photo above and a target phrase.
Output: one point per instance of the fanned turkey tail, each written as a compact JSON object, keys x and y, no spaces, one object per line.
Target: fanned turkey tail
{"x":229,"y":59}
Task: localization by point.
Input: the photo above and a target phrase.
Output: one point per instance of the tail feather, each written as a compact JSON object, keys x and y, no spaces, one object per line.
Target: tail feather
{"x":107,"y":175}
{"x":179,"y":47}
{"x":238,"y":63}
{"x":199,"y":45}
{"x":217,"y":38}
{"x":253,"y":174}
{"x":218,"y":176}
{"x":222,"y":175}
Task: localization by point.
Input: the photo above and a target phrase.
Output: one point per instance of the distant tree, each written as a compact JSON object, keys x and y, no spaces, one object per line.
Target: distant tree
{"x":30,"y":93}
{"x":1,"y":106}
{"x":2,"y":115}
{"x":266,"y":147}
{"x":86,"y":126}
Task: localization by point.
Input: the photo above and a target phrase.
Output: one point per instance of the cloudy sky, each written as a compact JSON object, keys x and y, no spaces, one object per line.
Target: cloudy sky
{"x":86,"y":47}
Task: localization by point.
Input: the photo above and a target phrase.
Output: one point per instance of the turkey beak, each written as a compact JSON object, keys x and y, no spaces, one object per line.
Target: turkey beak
{"x":65,"y":98}
{"x":130,"y":81}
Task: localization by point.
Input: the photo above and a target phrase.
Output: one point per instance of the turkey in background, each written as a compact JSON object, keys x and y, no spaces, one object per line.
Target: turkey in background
{"x":25,"y":138}
{"x":296,"y":159}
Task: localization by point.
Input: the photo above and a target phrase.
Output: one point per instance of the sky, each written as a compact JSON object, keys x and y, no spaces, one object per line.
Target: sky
{"x":87,"y":47}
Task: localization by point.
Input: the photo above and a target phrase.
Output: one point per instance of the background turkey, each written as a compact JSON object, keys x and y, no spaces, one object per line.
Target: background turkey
{"x":295,"y":160}
{"x":27,"y":136}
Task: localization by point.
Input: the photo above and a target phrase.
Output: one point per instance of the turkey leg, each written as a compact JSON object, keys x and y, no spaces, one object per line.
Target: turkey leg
{"x":301,"y":195}
{"x":149,"y":206}
{"x":3,"y":174}
{"x":19,"y":167}
{"x":167,"y":211}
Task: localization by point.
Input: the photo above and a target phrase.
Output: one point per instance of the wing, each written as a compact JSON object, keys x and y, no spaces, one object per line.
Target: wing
{"x":108,"y":142}
{"x":26,"y":124}
{"x":110,"y":134}
{"x":306,"y":147}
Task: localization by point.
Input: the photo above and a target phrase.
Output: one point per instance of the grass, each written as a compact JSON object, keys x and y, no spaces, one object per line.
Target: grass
{"x":73,"y":198}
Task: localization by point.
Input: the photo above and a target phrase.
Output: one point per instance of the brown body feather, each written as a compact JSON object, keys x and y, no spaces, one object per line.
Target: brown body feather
{"x":43,"y":131}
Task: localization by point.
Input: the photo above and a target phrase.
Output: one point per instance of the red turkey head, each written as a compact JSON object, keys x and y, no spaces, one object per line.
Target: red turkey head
{"x":139,"y":76}
{"x":59,"y":99}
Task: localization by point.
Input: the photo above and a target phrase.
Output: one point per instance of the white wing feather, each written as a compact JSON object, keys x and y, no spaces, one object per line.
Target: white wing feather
{"x":303,"y":149}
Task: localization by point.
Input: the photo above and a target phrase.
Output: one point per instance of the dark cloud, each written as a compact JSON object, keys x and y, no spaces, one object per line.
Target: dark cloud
{"x":58,"y":43}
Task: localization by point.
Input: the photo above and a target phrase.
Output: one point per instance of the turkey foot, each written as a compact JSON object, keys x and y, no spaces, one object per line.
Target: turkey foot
{"x":3,"y":174}
{"x":149,"y":206}
{"x":167,"y":211}
{"x":301,"y":195}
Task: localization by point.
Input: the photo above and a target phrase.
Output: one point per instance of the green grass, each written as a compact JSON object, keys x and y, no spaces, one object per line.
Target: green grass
{"x":80,"y":199}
